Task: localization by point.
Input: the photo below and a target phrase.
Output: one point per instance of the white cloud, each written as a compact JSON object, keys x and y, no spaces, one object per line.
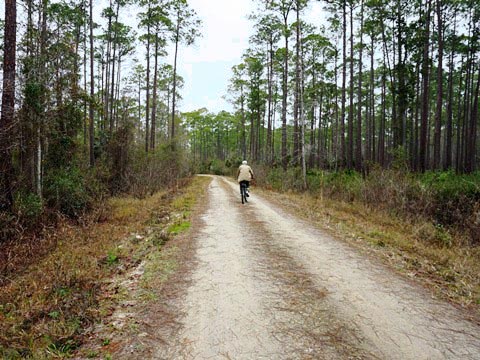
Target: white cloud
{"x":225,"y":30}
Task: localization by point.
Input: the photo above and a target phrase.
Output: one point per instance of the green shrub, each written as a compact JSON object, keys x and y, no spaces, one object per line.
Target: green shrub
{"x":273,"y":178}
{"x":66,"y":191}
{"x":454,"y":197}
{"x":344,"y":185}
{"x":28,"y":206}
{"x":7,"y":228}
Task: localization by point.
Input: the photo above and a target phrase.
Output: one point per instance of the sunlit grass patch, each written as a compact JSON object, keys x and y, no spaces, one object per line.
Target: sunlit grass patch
{"x":178,"y":228}
{"x":159,"y":266}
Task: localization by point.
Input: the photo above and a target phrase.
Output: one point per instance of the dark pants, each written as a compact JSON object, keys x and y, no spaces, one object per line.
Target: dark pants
{"x":247,"y":184}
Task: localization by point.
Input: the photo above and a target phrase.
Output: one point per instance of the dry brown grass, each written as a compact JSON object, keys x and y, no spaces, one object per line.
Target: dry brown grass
{"x":144,"y":312}
{"x":418,"y":249}
{"x":45,"y":308}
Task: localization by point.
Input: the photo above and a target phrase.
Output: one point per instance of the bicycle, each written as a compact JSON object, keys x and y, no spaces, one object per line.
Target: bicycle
{"x":243,"y":192}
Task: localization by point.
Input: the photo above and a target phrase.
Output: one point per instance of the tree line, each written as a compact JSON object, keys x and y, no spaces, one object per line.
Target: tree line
{"x":380,"y":82}
{"x":73,"y":103}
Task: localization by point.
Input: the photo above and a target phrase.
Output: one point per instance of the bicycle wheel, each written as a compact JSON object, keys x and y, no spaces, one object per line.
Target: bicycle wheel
{"x":244,"y":194}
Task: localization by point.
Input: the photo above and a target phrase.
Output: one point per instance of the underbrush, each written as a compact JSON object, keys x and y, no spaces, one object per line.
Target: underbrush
{"x":77,"y":192}
{"x":45,"y":309}
{"x":450,"y":202}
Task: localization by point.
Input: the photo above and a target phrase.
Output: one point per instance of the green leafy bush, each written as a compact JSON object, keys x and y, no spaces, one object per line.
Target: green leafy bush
{"x":66,"y":191}
{"x":454,"y":196}
{"x":28,"y":206}
{"x":279,"y":179}
{"x":7,"y":227}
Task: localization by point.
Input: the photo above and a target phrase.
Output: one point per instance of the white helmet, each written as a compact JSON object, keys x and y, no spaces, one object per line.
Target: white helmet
{"x":244,"y":162}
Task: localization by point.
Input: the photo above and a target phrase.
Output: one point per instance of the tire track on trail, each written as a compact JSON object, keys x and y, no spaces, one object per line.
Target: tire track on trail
{"x":225,"y":313}
{"x":266,"y":285}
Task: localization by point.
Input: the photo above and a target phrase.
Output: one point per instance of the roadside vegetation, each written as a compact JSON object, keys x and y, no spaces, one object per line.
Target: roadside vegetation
{"x":377,"y":133}
{"x":424,"y":225}
{"x":46,"y":309}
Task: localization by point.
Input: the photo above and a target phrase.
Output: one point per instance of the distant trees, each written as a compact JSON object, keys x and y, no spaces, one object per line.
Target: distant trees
{"x":415,"y":103}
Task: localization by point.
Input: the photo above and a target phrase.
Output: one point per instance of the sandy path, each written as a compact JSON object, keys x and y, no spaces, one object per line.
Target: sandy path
{"x":268,"y":285}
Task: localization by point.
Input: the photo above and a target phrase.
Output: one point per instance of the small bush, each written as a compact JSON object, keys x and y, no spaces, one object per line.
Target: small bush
{"x":66,"y":191}
{"x":279,"y":179}
{"x":454,"y":197}
{"x":178,"y":228}
{"x":147,"y":174}
{"x":434,"y":234}
{"x":28,"y":206}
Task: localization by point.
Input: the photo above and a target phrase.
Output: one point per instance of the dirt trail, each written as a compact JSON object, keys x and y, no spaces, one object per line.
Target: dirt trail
{"x":270,"y":286}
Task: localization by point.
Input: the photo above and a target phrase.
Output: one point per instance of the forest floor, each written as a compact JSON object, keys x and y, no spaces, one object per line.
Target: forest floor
{"x":263,"y":281}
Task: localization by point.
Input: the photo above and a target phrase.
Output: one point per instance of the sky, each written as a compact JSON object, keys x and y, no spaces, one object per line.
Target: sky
{"x":206,"y":66}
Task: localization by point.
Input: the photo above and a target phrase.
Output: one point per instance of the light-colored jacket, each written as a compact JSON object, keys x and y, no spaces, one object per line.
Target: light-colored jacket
{"x":245,"y":173}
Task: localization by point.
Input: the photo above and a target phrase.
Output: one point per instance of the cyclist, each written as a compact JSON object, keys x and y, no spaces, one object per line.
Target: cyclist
{"x":244,"y":175}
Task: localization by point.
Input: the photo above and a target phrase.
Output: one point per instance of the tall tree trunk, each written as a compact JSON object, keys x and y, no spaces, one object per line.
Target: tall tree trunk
{"x":85,"y":64}
{"x":371,"y":136}
{"x":154,"y":101}
{"x":358,"y":150}
{"x":8,"y":106}
{"x":425,"y":92}
{"x":458,"y":127}
{"x":147,"y":106}
{"x":467,"y":103}
{"x":344,"y":83}
{"x":472,"y":131}
{"x":320,"y":154}
{"x":284,"y":98}
{"x":117,"y":91}
{"x":311,"y":161}
{"x":416,"y":136}
{"x":274,"y":117}
{"x":106,"y":89}
{"x":438,"y":112}
{"x":296,"y":104}
{"x":139,"y":96}
{"x":335,"y":132}
{"x":112,"y":85}
{"x":381,"y":130}
{"x":270,"y":97}
{"x":350,"y":111}
{"x":91,"y":129}
{"x":174,"y":93}
{"x":399,"y":120}
{"x":447,"y":157}
{"x":244,"y":135}
{"x":302,"y":106}
{"x":43,"y":101}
